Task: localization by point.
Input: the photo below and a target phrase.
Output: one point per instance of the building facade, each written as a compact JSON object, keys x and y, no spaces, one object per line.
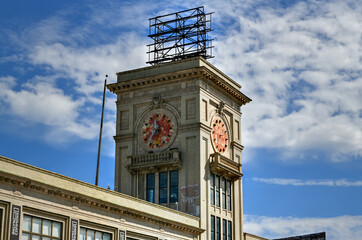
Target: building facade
{"x":178,"y":172}
{"x":36,"y":204}
{"x":178,"y":142}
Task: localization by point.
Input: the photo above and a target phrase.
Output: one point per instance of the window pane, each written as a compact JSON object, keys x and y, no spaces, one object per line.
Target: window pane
{"x":218,"y":233}
{"x":228,"y":189}
{"x":230,"y":230}
{"x":217,"y":189}
{"x":56,"y":229}
{"x":98,"y":236}
{"x":174,"y":186}
{"x":163,"y":195}
{"x":174,"y":178}
{"x":36,"y":225}
{"x":151,"y":180}
{"x":106,"y":236}
{"x":90,"y":234}
{"x":224,"y":229}
{"x":46,"y":238}
{"x":212,"y":189}
{"x":163,"y":187}
{"x":27,"y":223}
{"x":35,"y":237}
{"x":217,"y":198}
{"x":150,"y":194}
{"x":26,"y":236}
{"x":82,"y":234}
{"x":223,"y":189}
{"x":212,"y":227}
{"x":163,"y":180}
{"x":47,"y":226}
{"x":174,"y":194}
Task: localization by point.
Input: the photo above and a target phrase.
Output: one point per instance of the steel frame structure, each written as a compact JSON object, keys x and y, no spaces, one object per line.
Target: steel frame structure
{"x":180,"y":35}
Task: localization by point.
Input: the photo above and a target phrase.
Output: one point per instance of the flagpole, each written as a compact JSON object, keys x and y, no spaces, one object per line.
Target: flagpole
{"x":100,"y":131}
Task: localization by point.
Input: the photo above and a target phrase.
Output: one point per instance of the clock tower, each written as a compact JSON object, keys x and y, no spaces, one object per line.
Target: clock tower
{"x":178,"y":141}
{"x":178,"y":138}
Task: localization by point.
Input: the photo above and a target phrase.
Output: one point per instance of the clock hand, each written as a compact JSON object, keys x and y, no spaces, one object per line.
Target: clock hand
{"x":153,"y":132}
{"x":156,"y":126}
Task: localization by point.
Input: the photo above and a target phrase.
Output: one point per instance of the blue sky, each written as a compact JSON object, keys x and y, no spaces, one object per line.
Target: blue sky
{"x":300,"y":62}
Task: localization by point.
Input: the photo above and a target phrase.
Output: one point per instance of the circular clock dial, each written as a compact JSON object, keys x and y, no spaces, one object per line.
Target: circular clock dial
{"x":158,"y":130}
{"x":219,"y":135}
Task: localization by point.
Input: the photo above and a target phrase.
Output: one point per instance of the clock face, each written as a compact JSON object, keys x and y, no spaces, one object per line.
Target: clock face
{"x":219,"y":135}
{"x":158,"y":129}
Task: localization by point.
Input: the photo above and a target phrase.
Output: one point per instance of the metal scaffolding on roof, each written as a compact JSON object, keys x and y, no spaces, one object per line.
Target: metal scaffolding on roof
{"x":180,"y":35}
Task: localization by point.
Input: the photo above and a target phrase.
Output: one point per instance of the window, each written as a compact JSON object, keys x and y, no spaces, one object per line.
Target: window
{"x":150,"y":188}
{"x":212,"y":227}
{"x":173,"y":186}
{"x":35,"y":228}
{"x":167,"y":187}
{"x":218,"y":184}
{"x":89,"y":234}
{"x":163,"y":187}
{"x":230,"y":230}
{"x":217,"y":190}
{"x":224,"y":229}
{"x":212,"y":189}
{"x":218,"y":232}
{"x":228,"y":190}
{"x":223,"y":191}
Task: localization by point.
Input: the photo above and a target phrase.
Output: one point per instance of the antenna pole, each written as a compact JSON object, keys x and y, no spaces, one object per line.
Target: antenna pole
{"x":100,"y":131}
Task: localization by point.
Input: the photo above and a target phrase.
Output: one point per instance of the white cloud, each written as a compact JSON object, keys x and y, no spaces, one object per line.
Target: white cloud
{"x":301,"y":65}
{"x":336,"y":228}
{"x":320,"y":182}
{"x":41,"y":102}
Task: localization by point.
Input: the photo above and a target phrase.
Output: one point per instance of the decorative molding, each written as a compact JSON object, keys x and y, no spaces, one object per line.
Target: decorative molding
{"x":220,"y":107}
{"x":157,"y":101}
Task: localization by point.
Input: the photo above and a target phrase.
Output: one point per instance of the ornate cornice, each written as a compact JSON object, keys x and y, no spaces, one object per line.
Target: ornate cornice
{"x":192,"y":73}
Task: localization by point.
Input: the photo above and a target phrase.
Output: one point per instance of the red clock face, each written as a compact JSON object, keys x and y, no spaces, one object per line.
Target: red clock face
{"x":157,"y":130}
{"x":219,"y":135}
